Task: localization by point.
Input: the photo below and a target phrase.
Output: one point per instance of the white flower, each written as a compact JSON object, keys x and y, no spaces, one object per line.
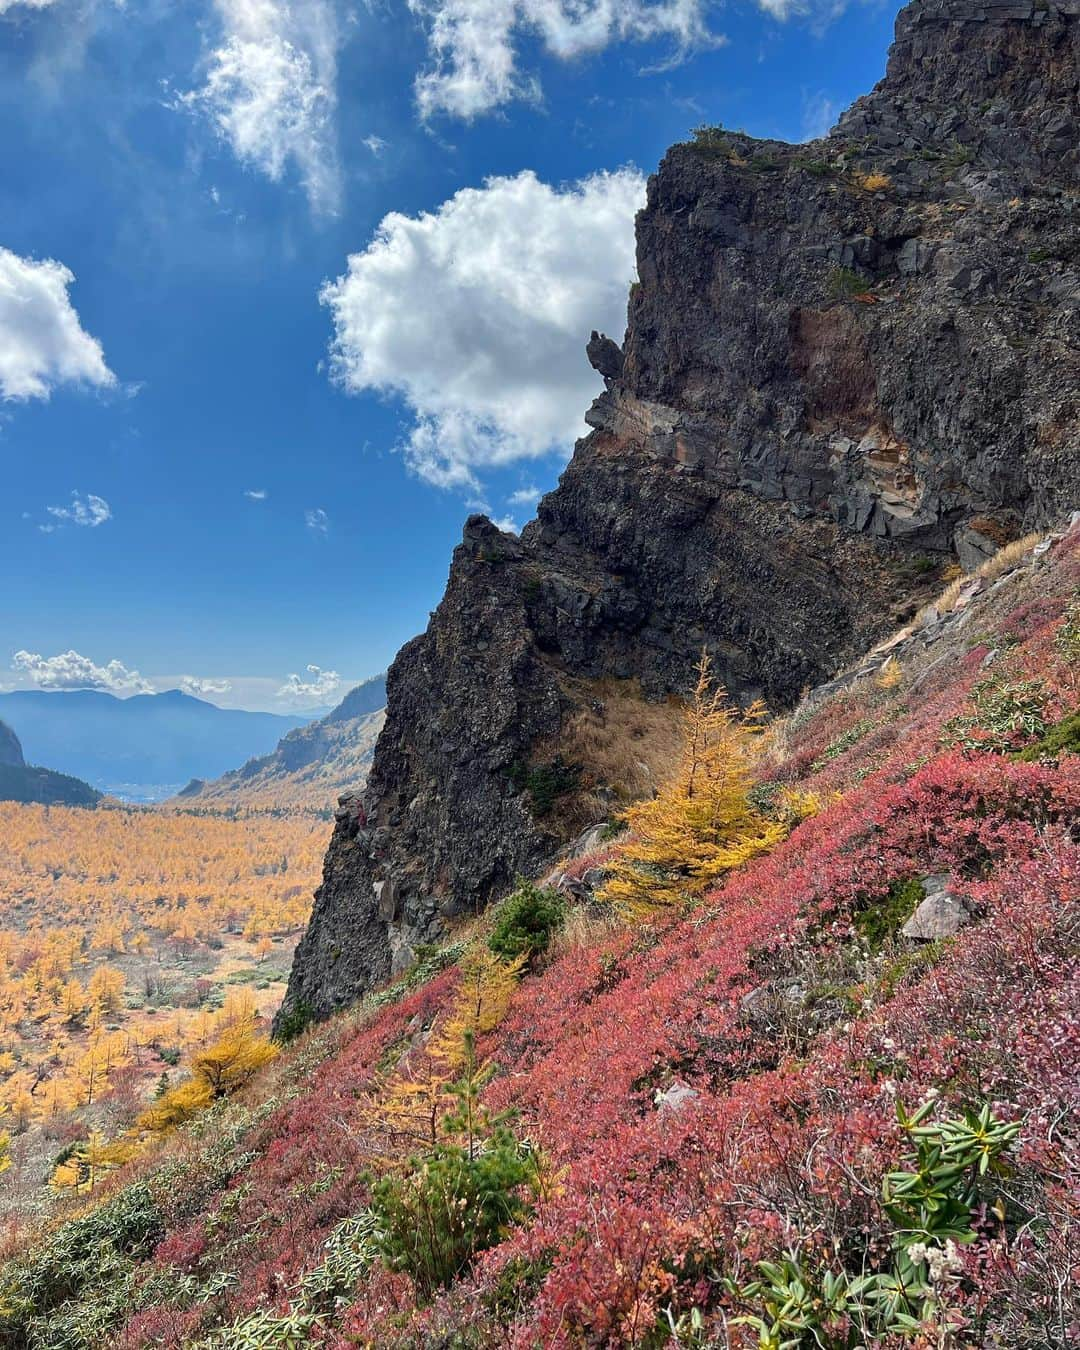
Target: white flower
{"x":917,"y":1253}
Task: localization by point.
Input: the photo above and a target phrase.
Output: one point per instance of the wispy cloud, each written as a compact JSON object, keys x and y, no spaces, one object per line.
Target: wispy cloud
{"x":70,"y":670}
{"x":271,"y":91}
{"x":474,"y":44}
{"x":375,"y":144}
{"x":524,"y":496}
{"x":87,"y":511}
{"x":819,"y":112}
{"x":316,"y":519}
{"x":256,"y":494}
{"x":42,"y":342}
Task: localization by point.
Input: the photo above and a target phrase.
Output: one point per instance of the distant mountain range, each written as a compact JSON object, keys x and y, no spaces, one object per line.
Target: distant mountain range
{"x":22,"y":782}
{"x":141,"y":748}
{"x":311,"y":764}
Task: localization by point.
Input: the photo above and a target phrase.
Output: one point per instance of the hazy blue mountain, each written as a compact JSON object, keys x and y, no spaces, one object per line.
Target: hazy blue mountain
{"x":312,"y":764}
{"x":141,"y":748}
{"x":22,"y":782}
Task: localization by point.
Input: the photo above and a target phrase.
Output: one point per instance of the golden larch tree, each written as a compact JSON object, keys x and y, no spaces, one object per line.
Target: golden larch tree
{"x":702,"y":822}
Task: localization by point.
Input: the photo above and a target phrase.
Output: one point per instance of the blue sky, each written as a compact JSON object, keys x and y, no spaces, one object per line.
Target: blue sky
{"x":181,"y":190}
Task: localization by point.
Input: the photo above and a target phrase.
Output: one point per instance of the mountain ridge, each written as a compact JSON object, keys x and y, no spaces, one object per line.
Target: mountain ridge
{"x":311,"y":765}
{"x":141,"y":742}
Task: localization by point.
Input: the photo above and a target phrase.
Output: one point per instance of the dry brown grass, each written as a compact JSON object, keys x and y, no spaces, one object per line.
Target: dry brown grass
{"x":991,"y":569}
{"x":625,"y":745}
{"x":1008,"y":556}
{"x":583,"y":928}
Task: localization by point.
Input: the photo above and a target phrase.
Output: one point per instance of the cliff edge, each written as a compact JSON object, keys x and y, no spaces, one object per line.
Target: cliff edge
{"x":847,"y":365}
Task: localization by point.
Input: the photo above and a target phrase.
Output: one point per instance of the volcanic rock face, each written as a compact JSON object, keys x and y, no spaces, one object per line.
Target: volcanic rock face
{"x":10,"y":750}
{"x":841,"y":358}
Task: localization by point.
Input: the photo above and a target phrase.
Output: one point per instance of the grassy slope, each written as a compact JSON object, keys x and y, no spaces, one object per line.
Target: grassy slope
{"x":788,"y":1004}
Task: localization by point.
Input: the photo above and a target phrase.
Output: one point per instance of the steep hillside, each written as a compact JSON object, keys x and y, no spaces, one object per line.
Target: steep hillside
{"x":22,"y":782}
{"x":848,"y":365}
{"x":312,"y":765}
{"x":669,"y":1100}
{"x":143,"y":747}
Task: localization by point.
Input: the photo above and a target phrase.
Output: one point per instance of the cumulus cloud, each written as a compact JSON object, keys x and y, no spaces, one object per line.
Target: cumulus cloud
{"x":70,"y":670}
{"x":87,"y":511}
{"x":199,"y":688}
{"x":256,"y":494}
{"x":316,"y":683}
{"x":271,"y":91}
{"x":474,"y":43}
{"x":6,"y":5}
{"x":477,"y":315}
{"x":42,"y":342}
{"x":315,"y":518}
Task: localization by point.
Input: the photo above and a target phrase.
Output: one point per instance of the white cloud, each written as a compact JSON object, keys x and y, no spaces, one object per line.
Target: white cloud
{"x":199,"y":688}
{"x":525,"y":496}
{"x":271,"y":91}
{"x":473,"y":43}
{"x":256,"y":494}
{"x":316,"y":519}
{"x":88,"y":511}
{"x":42,"y":343}
{"x":477,"y":315}
{"x":70,"y":670}
{"x":507,"y":523}
{"x":818,"y":115}
{"x":375,"y":144}
{"x":6,"y":5}
{"x":319,"y":684}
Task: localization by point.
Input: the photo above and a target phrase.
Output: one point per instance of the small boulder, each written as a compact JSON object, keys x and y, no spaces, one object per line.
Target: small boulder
{"x":587,"y":842}
{"x":675,"y":1097}
{"x":939,"y":915}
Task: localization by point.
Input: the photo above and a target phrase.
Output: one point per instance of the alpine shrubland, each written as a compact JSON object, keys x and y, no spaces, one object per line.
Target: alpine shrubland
{"x":754,"y":1112}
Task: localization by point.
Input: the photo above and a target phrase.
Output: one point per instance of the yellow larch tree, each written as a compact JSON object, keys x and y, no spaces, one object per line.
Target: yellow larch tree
{"x":702,"y":822}
{"x":405,"y":1109}
{"x":218,"y":1071}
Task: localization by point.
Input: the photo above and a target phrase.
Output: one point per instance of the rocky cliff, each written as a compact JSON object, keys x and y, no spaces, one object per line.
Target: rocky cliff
{"x":846,"y":365}
{"x":11,"y":754}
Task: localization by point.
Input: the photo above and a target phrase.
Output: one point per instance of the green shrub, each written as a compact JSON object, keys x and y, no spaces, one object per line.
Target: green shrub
{"x":291,"y":1024}
{"x":78,"y":1284}
{"x":843,"y":742}
{"x":526,"y":921}
{"x":843,"y":283}
{"x":1062,"y":738}
{"x":1002,"y":711}
{"x":545,"y":783}
{"x":880,"y":922}
{"x":460,"y":1198}
{"x":933,"y":1205}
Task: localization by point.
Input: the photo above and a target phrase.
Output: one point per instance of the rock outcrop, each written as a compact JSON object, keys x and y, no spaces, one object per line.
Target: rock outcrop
{"x":11,"y":754}
{"x":846,"y":363}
